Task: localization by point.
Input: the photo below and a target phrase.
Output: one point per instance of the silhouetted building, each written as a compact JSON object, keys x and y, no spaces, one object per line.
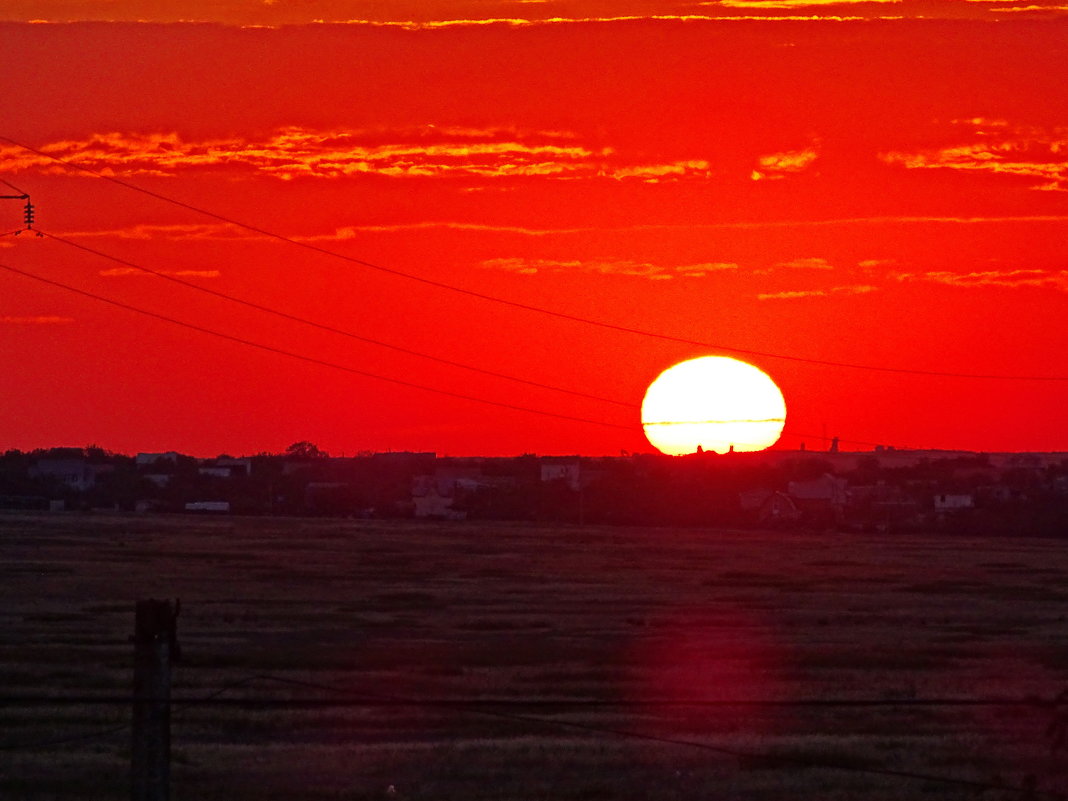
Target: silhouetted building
{"x":76,"y":474}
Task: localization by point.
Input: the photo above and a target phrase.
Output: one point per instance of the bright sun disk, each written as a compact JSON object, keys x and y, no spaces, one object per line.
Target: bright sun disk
{"x":713,"y":402}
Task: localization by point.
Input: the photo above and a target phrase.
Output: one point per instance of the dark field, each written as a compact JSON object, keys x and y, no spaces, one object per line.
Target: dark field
{"x":527,"y":613}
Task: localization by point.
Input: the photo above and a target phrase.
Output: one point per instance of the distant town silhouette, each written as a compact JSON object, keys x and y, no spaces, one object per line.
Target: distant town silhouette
{"x":880,"y":490}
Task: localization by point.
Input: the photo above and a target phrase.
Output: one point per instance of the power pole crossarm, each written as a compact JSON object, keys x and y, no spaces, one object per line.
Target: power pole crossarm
{"x":27,"y":214}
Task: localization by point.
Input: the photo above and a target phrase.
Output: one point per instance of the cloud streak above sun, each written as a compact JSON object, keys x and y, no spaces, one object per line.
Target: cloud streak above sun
{"x":796,"y":294}
{"x":617,"y":267}
{"x":445,"y":14}
{"x":1012,"y":278}
{"x":996,"y":147}
{"x":778,"y":165}
{"x":295,"y":152}
{"x":767,"y":5}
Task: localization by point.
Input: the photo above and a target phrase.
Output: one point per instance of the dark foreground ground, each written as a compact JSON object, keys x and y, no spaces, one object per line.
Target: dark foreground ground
{"x":640,"y":621}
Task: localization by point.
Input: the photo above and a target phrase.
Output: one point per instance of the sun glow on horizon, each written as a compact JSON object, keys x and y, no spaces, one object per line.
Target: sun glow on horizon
{"x":715,"y":403}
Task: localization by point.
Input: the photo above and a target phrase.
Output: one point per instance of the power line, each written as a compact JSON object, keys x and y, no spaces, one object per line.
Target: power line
{"x":412,"y":385}
{"x":329,"y":328}
{"x":1026,"y":792}
{"x":352,"y":335}
{"x":368,"y":374}
{"x":310,"y":359}
{"x":524,"y":306}
{"x":14,"y":188}
{"x":374,"y":702}
{"x":180,"y":706}
{"x":74,"y":738}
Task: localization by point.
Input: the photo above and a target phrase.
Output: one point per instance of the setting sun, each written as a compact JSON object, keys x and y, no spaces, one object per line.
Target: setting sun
{"x":715,"y":403}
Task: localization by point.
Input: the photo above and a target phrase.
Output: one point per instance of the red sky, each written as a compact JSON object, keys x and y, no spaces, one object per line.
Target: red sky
{"x":883,"y":192}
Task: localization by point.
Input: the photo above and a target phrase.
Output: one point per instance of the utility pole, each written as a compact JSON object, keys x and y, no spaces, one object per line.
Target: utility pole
{"x":581,"y":493}
{"x":155,"y":648}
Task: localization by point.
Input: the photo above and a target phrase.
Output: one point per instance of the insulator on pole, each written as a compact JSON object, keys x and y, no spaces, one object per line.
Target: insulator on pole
{"x":29,"y":214}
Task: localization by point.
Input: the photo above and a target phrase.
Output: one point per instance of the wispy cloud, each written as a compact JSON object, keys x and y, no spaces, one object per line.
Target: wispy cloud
{"x":625,"y":267}
{"x":794,"y":294}
{"x":419,"y":152}
{"x":529,"y":22}
{"x":1032,"y":8}
{"x":1016,"y":8}
{"x":1042,"y":278}
{"x":758,"y":5}
{"x":227,"y":232}
{"x":881,"y":274}
{"x":40,"y":319}
{"x":353,"y":231}
{"x":875,"y":264}
{"x":257,"y":14}
{"x":998,"y":148}
{"x":806,"y":264}
{"x":778,"y":165}
{"x":908,"y":8}
{"x":175,"y":232}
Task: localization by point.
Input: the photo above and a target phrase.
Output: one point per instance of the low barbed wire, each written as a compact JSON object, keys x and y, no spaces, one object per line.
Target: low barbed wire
{"x":492,"y":708}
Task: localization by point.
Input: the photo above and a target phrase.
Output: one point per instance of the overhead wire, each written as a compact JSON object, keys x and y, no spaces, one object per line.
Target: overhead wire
{"x":178,"y":705}
{"x":96,"y":734}
{"x":30,"y":700}
{"x":517,"y":304}
{"x":329,"y":328}
{"x":10,"y":185}
{"x":352,"y":335}
{"x":309,"y":359}
{"x":296,"y":318}
{"x":365,"y":373}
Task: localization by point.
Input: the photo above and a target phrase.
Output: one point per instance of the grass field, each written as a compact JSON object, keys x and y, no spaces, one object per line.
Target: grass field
{"x":528,"y":613}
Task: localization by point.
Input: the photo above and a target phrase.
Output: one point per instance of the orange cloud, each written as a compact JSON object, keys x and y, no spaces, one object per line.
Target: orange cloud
{"x":294,"y":152}
{"x":429,"y":16}
{"x":872,"y":264}
{"x":1047,"y":279}
{"x":734,"y":13}
{"x":1006,"y":6}
{"x":526,"y":22}
{"x":227,"y":232}
{"x":807,"y":264}
{"x":1032,"y":8}
{"x":759,"y":5}
{"x":776,"y":165}
{"x":792,"y":294}
{"x":624,"y":267}
{"x":1000,"y":149}
{"x":851,"y":289}
{"x":352,"y":231}
{"x":175,"y":232}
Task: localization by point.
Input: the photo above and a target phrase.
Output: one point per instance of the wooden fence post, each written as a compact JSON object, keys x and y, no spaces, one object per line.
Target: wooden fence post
{"x":155,"y":647}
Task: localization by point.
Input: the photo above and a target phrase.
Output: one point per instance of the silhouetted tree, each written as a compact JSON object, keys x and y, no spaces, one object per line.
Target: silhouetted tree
{"x":305,"y":450}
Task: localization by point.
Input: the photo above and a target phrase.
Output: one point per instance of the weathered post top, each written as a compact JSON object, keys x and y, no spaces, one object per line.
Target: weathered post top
{"x":155,"y":621}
